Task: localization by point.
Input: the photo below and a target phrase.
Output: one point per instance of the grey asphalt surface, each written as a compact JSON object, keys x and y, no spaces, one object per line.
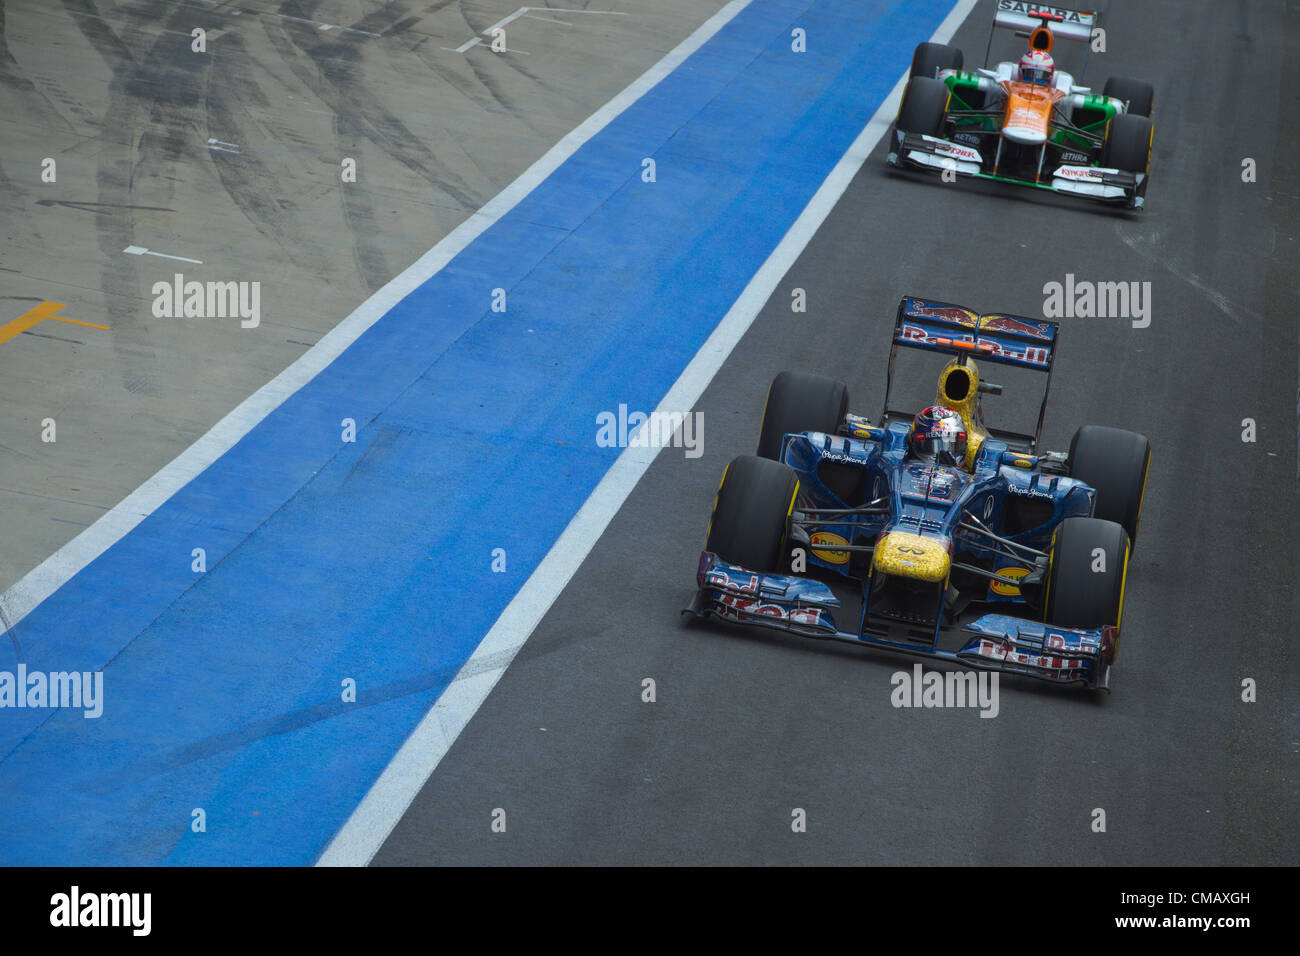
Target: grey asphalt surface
{"x":748,"y":725}
{"x":233,"y":156}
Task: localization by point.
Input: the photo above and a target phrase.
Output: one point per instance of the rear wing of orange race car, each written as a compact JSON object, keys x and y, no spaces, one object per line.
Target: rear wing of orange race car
{"x":1029,"y":20}
{"x":996,"y":338}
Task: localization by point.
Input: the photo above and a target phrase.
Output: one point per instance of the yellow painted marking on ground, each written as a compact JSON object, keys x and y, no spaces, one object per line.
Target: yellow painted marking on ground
{"x":59,"y":318}
{"x":36,"y":316}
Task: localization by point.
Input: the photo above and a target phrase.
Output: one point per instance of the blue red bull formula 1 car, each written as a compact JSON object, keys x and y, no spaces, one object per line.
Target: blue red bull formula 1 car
{"x":968,"y":544}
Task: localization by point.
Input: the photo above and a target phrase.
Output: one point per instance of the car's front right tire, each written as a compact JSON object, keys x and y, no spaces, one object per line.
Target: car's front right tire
{"x":751,"y":514}
{"x":800,"y":402}
{"x":924,"y":107}
{"x":930,"y":58}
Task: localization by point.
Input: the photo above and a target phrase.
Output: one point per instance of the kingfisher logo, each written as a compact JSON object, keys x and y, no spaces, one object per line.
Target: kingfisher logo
{"x":957,"y":152}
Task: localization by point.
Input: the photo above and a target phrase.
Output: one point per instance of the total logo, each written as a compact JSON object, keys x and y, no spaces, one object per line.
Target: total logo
{"x":825,"y":538}
{"x":1008,"y":590}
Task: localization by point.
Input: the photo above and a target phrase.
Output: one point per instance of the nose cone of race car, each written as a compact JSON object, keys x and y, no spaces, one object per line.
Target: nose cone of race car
{"x":914,"y":556}
{"x":1028,"y":135}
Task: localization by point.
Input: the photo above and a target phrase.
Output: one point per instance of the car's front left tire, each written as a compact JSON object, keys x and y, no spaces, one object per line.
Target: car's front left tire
{"x":1085,"y":577}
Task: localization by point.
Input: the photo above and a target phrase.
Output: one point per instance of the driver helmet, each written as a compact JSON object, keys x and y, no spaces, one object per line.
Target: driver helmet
{"x":1036,"y":66}
{"x":938,"y":437}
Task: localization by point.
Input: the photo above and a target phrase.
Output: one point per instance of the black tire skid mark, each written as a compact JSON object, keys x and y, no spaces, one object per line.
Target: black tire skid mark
{"x":337,"y":62}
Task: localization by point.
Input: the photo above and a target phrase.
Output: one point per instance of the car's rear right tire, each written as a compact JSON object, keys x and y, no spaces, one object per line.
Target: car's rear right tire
{"x":800,"y":402}
{"x":930,"y":58}
{"x":751,"y":514}
{"x":1085,"y":579}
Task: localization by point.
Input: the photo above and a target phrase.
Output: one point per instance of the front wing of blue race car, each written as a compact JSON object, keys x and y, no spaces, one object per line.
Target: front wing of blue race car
{"x":996,"y":642}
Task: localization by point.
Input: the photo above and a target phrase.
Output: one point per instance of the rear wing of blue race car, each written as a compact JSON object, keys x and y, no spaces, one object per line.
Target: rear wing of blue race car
{"x":996,"y":338}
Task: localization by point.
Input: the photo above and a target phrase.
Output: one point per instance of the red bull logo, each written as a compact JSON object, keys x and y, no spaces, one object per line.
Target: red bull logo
{"x":943,"y":313}
{"x":1007,"y":323}
{"x":1029,"y":355}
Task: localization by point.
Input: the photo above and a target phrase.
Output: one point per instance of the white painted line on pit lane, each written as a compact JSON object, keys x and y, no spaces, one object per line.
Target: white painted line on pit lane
{"x":327,"y":26}
{"x":524,"y":11}
{"x":56,"y":570}
{"x":563,"y":23}
{"x":529,"y":13}
{"x":142,"y":251}
{"x":374,"y":818}
{"x":475,"y":41}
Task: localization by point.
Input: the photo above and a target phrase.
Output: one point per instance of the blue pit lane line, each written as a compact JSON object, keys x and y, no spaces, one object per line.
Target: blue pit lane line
{"x":475,"y":430}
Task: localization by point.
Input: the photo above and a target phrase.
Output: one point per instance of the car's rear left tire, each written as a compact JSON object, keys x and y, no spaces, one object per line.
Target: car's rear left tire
{"x":1085,"y":578}
{"x":751,"y":514}
{"x":800,"y":402}
{"x":1136,"y":93}
{"x":1115,"y":462}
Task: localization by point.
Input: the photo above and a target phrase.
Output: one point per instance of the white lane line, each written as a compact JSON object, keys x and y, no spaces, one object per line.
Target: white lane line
{"x":500,"y":24}
{"x":530,"y":13}
{"x":55,"y":571}
{"x":361,"y":836}
{"x":327,"y":26}
{"x":142,"y":251}
{"x":474,"y":41}
{"x":563,"y":23}
{"x":603,"y":13}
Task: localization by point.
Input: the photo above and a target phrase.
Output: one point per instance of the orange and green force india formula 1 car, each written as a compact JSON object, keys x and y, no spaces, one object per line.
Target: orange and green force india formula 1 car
{"x":1052,"y":134}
